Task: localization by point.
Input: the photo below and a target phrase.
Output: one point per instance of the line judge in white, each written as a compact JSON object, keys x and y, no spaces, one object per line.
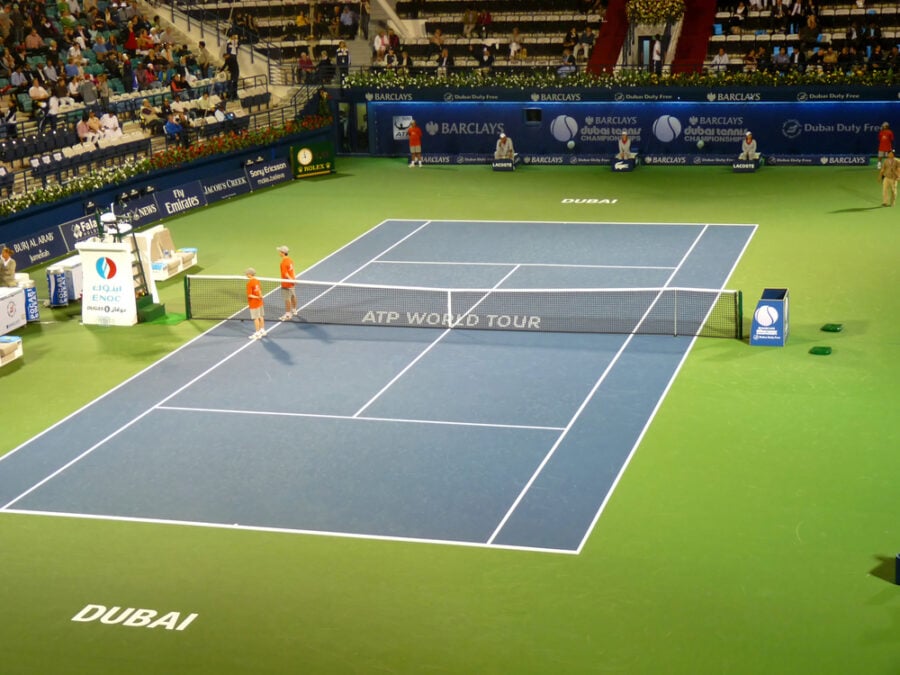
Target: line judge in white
{"x":748,"y":148}
{"x":625,"y":147}
{"x":505,"y":149}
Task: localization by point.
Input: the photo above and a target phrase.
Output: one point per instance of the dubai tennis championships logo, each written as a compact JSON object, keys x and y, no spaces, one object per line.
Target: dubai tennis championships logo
{"x":106,"y":268}
{"x":766,"y":315}
{"x":666,"y":128}
{"x":564,"y":128}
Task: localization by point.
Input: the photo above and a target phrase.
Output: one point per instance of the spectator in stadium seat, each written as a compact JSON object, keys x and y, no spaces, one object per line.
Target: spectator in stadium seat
{"x":83,"y":130}
{"x":484,"y":22}
{"x":305,"y":67}
{"x":18,"y":80}
{"x":737,"y":19}
{"x":38,"y":93}
{"x":365,"y":14}
{"x":444,"y":63}
{"x":585,"y":43}
{"x":469,"y":21}
{"x":404,"y":62}
{"x":324,"y":69}
{"x":567,"y":66}
{"x":748,"y":148}
{"x":348,"y":22}
{"x":809,"y":34}
{"x":515,"y":43}
{"x":720,"y":61}
{"x":570,"y":39}
{"x":486,"y":61}
{"x":150,"y":118}
{"x":109,"y":125}
{"x":778,"y":17}
{"x":10,"y":119}
{"x":380,"y":46}
{"x":436,"y":43}
{"x":175,"y":131}
{"x":34,"y":42}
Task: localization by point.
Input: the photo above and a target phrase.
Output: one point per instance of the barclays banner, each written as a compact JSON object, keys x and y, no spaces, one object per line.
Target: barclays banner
{"x":762,"y":94}
{"x":575,"y":128}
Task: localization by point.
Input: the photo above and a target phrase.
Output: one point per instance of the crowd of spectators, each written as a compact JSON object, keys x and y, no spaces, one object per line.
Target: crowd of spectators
{"x":81,"y":52}
{"x":855,"y":45}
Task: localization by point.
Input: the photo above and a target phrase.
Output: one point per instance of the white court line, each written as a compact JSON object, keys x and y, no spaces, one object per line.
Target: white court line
{"x":356,"y":418}
{"x":176,"y":392}
{"x":288,"y":530}
{"x":588,"y":398}
{"x":429,"y":347}
{"x":506,"y":264}
{"x":652,"y":415}
{"x":572,"y":222}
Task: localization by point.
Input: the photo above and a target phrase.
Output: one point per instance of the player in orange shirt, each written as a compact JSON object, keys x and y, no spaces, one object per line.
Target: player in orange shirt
{"x":255,"y":303}
{"x":287,"y":289}
{"x":415,"y":143}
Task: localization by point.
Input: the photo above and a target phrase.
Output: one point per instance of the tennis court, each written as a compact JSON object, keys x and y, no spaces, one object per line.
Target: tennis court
{"x":506,"y":438}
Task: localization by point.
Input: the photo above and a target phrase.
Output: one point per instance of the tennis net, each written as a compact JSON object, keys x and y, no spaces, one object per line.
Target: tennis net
{"x":654,"y":311}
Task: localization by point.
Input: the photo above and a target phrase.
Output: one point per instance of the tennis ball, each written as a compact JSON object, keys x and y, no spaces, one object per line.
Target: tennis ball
{"x":563,"y":128}
{"x":666,"y":128}
{"x":700,"y":144}
{"x":766,"y":315}
{"x":570,"y":145}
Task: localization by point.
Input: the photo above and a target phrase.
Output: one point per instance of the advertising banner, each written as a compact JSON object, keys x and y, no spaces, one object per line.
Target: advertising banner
{"x":108,"y":298}
{"x":35,"y":248}
{"x":574,"y":128}
{"x":267,"y":174}
{"x":78,"y":230}
{"x":181,"y":199}
{"x":312,"y":159}
{"x":761,"y":94}
{"x":12,"y":309}
{"x":225,"y":186}
{"x":139,"y":212}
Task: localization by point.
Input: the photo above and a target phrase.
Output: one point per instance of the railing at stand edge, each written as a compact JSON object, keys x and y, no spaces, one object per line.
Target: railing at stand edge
{"x":25,"y":180}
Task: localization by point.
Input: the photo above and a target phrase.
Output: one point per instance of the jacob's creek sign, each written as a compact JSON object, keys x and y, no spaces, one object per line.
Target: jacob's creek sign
{"x":134,"y":617}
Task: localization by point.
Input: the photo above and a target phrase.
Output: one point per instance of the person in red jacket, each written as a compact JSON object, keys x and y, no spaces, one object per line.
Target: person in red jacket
{"x":885,"y":142}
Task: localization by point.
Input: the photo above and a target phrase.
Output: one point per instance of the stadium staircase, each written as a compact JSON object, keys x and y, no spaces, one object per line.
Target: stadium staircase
{"x":610,"y":39}
{"x":693,"y":43}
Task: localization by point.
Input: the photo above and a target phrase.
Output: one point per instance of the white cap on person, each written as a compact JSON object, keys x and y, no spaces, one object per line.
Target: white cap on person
{"x":502,"y":135}
{"x":283,"y":249}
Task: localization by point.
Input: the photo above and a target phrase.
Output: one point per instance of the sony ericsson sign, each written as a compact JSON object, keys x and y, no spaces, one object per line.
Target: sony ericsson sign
{"x":658,"y":128}
{"x":267,"y":174}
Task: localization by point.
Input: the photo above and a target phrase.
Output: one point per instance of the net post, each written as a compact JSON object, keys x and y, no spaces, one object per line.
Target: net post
{"x":739,"y":313}
{"x":450,"y":309}
{"x":675,"y":314}
{"x":187,"y":296}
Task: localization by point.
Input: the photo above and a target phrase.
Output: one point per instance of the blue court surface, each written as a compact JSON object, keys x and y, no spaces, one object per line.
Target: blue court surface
{"x":468,"y":437}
